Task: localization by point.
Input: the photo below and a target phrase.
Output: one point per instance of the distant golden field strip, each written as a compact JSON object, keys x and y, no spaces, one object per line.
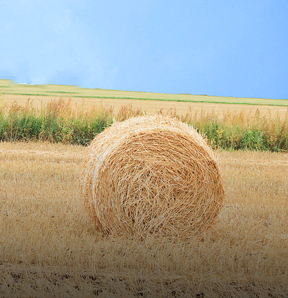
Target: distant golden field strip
{"x":151,"y":107}
{"x":8,"y":87}
{"x":48,"y":245}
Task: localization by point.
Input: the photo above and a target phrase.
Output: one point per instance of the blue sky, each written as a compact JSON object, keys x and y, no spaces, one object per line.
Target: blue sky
{"x":213,"y":47}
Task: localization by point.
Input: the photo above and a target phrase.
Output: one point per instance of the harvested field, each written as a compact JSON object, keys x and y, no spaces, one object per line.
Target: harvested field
{"x":50,"y":248}
{"x":8,"y":87}
{"x":151,"y":106}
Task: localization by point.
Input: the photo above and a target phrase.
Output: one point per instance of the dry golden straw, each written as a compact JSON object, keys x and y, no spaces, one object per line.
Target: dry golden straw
{"x":151,"y":175}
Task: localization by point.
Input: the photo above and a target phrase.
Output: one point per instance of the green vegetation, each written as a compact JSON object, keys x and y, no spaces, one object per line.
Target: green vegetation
{"x":57,"y":92}
{"x":56,"y":122}
{"x":59,"y":121}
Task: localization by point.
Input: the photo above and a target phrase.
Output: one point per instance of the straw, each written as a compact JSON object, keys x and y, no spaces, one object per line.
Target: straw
{"x":151,"y":175}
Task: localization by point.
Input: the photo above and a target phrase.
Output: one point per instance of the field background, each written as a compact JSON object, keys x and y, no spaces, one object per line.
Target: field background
{"x":50,"y":248}
{"x":149,"y":102}
{"x":75,"y":117}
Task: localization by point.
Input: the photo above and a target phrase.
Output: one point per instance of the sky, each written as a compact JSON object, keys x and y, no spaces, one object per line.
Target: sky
{"x":214,"y":47}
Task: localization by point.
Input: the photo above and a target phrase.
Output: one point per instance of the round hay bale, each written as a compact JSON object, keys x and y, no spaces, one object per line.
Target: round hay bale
{"x":151,"y":175}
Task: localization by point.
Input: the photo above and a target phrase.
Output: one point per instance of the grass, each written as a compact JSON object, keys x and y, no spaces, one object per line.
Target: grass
{"x":56,"y":122}
{"x":65,"y":122}
{"x":60,"y":92}
{"x":50,"y":248}
{"x":45,"y":90}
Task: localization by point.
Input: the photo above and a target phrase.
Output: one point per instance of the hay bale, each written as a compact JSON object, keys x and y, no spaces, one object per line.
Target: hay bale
{"x":151,"y":175}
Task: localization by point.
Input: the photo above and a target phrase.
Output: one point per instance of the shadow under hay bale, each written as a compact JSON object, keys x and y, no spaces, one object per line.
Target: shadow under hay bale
{"x":151,"y":175}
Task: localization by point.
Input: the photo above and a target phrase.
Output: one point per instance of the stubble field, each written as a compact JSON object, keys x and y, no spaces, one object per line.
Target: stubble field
{"x":150,"y":106}
{"x":150,"y":102}
{"x":50,"y":248}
